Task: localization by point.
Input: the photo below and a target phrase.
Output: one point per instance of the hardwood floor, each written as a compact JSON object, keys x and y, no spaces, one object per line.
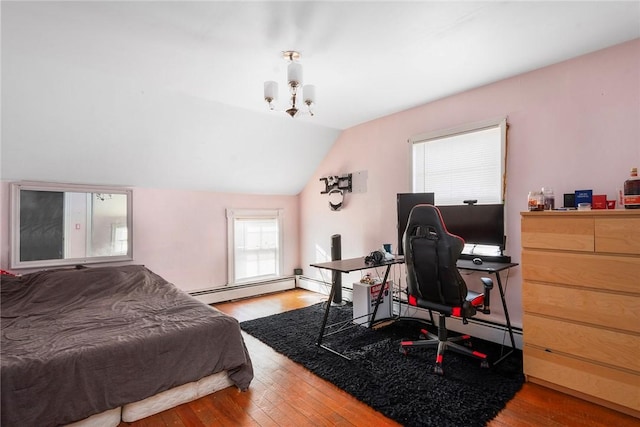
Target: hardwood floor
{"x":285,"y":394}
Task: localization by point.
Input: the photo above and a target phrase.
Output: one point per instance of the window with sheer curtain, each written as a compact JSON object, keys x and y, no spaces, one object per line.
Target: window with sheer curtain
{"x":464,"y":163}
{"x":255,"y":245}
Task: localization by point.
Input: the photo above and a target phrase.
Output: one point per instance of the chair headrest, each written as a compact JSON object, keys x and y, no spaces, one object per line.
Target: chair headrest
{"x":423,"y":218}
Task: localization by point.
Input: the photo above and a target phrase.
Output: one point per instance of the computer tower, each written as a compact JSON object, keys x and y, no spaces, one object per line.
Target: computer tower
{"x":364,"y":301}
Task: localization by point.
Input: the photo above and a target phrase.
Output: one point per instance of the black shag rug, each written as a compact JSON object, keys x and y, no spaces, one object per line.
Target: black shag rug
{"x":402,"y":387}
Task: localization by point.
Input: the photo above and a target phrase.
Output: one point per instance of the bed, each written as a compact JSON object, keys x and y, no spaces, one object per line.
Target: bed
{"x":93,"y":346}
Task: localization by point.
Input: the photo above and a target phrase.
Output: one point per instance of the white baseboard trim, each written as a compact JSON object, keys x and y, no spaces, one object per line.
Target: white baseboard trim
{"x":228,"y":293}
{"x":321,"y":287}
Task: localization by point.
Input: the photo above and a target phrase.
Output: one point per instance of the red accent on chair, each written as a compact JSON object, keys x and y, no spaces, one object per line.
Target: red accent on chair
{"x":478,"y":301}
{"x":435,"y":284}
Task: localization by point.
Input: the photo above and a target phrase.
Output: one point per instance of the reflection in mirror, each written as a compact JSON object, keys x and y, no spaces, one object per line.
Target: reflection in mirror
{"x":54,"y":224}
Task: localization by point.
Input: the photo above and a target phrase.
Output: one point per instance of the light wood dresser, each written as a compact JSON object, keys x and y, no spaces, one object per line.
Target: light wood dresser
{"x":581,"y":303}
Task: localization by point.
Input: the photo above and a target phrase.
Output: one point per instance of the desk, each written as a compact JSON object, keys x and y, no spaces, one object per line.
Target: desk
{"x":347,"y":266}
{"x":493,"y":268}
{"x":356,"y":264}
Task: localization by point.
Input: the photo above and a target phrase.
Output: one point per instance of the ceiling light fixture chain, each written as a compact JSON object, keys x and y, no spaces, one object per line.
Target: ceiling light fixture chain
{"x":294,"y":82}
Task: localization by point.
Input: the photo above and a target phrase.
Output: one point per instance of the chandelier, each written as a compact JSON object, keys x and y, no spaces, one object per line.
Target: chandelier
{"x":294,"y":81}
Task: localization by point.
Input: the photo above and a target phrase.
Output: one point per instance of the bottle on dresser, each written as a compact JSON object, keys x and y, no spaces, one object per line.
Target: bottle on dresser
{"x":631,"y":190}
{"x":549,"y":199}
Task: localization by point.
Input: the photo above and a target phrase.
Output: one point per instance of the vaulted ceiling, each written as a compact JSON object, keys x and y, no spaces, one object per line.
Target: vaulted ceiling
{"x":169,"y":94}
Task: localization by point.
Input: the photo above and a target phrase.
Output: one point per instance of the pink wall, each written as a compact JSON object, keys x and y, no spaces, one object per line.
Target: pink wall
{"x":181,"y":235}
{"x":573,"y":125}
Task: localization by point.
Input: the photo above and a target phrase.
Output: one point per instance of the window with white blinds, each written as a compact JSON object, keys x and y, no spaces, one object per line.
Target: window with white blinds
{"x":464,"y":163}
{"x":254,"y":244}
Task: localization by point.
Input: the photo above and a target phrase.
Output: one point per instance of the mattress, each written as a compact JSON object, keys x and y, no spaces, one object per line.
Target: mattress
{"x":80,"y":342}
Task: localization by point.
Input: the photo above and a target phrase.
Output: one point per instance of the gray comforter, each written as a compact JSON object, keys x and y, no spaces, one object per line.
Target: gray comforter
{"x":78,"y":342}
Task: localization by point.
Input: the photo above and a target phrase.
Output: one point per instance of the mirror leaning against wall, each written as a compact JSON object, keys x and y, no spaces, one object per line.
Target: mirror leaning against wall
{"x":65,"y":224}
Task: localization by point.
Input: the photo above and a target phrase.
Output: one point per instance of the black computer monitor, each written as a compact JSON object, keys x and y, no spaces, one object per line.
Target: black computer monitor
{"x":476,"y":224}
{"x":405,"y":202}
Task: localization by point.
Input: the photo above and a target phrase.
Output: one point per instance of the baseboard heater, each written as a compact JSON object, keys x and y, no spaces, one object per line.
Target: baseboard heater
{"x":246,"y":290}
{"x":322,"y":287}
{"x":477,"y":327}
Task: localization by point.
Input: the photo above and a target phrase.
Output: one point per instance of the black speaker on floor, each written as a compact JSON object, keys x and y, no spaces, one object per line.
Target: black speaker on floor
{"x":336,"y":279}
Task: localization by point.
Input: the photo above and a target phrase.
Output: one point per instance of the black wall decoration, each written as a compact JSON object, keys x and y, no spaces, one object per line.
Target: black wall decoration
{"x":335,"y":186}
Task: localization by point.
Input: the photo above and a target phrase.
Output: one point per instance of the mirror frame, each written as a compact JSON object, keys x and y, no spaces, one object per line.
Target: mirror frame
{"x":14,"y":223}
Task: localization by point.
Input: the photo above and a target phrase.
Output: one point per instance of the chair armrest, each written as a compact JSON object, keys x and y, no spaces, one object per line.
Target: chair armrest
{"x":488,"y":285}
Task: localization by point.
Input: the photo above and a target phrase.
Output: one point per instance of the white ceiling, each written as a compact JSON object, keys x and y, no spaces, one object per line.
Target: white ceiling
{"x":367,"y":59}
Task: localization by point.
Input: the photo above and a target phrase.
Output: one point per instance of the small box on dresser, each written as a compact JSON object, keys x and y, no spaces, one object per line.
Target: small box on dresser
{"x":581,"y":303}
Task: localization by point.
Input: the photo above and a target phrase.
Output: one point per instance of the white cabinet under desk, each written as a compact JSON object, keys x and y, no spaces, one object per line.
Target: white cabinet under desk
{"x":581,"y":303}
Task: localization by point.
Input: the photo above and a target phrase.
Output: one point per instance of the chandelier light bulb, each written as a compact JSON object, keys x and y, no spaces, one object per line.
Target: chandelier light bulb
{"x":270,"y":92}
{"x":309,"y":93}
{"x":294,"y":74}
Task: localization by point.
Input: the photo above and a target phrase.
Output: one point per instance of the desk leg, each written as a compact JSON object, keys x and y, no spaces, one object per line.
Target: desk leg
{"x":326,"y":313}
{"x":384,"y":281}
{"x":324,"y":323}
{"x":506,"y":316}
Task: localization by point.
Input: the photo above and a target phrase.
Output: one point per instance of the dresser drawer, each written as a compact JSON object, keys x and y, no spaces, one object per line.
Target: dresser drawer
{"x":618,"y":235}
{"x":568,"y":233}
{"x":604,"y":346}
{"x":612,"y":385}
{"x":601,"y":272}
{"x":603,"y":309}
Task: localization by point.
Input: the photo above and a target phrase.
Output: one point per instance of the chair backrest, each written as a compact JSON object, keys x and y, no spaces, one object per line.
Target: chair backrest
{"x":431,"y":253}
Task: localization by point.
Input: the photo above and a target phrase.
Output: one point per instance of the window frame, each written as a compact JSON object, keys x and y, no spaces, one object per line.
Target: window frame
{"x":68,"y":223}
{"x":500,"y":123}
{"x":257,"y":214}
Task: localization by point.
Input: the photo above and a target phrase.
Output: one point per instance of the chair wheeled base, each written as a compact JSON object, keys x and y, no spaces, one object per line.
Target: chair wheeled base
{"x":443,"y":343}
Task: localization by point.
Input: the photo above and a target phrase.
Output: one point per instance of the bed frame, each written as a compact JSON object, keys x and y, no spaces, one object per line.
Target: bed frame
{"x":98,"y":346}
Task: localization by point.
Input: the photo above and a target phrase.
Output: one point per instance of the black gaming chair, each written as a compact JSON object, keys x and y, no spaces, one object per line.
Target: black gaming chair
{"x":434,"y":283}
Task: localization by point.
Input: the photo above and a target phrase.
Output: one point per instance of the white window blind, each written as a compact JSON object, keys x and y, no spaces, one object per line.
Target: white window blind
{"x":465,"y":163}
{"x":255,"y":244}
